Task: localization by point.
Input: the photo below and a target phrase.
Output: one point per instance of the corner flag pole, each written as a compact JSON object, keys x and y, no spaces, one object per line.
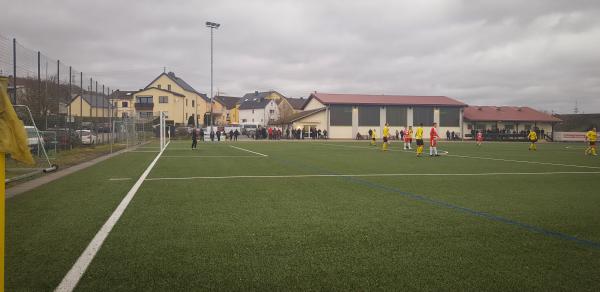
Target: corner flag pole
{"x":4,"y":84}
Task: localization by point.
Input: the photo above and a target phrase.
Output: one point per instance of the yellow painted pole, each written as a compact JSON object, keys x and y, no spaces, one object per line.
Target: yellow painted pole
{"x":2,"y":199}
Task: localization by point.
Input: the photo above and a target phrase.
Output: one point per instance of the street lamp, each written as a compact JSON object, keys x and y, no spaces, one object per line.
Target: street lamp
{"x":212,"y":26}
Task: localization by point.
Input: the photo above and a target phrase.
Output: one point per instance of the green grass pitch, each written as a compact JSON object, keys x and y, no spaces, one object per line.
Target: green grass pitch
{"x":318,"y":216}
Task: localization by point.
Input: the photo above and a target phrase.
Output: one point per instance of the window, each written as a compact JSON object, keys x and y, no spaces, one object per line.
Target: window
{"x":169,"y":87}
{"x":252,"y":111}
{"x":368,"y":115}
{"x":186,"y":102}
{"x":193,"y":105}
{"x":244,"y":120}
{"x":395,"y":115}
{"x":144,"y":99}
{"x":145,"y":114}
{"x":158,"y":86}
{"x":253,"y":120}
{"x":423,"y":115}
{"x":449,"y":117}
{"x":163,"y":99}
{"x":341,"y":115}
{"x":271,"y":111}
{"x":124,"y":104}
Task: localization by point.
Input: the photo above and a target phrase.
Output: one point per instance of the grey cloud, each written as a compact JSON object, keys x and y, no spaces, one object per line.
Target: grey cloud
{"x":538,"y":53}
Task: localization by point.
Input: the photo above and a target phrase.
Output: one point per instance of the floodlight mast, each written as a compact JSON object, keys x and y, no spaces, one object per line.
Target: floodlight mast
{"x":212,"y":26}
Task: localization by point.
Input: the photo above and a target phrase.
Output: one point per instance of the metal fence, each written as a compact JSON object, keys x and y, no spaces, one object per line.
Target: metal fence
{"x":65,"y":104}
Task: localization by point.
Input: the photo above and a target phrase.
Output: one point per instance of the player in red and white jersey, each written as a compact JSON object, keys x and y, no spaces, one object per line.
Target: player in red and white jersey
{"x":433,"y":137}
{"x":479,"y":138}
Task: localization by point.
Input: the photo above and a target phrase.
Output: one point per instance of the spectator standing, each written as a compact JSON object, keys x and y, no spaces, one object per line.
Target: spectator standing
{"x":447,"y":134}
{"x":230,"y":135}
{"x":201,"y":134}
{"x":218,"y":136}
{"x":235,"y":134}
{"x":212,"y":135}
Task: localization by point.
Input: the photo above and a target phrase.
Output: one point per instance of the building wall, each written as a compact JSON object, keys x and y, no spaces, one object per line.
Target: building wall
{"x":176,"y":108}
{"x":202,"y":105}
{"x":313,"y":104}
{"x":255,"y":116}
{"x":318,"y":120}
{"x":78,"y":109}
{"x":119,"y":109}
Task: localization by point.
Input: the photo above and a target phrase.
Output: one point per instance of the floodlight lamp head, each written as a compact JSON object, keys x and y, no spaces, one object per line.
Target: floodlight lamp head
{"x":212,"y":24}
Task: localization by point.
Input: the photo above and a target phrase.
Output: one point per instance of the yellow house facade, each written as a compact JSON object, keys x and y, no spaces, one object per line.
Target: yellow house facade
{"x":192,"y":103}
{"x":230,"y":106}
{"x":151,"y":101}
{"x":89,"y":106}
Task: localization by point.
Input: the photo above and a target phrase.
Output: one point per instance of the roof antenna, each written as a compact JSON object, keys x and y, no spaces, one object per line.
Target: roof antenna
{"x":164,"y":69}
{"x":576,"y":109}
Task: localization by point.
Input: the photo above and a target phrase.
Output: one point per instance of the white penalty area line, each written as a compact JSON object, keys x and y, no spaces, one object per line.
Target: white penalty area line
{"x":211,"y":156}
{"x":243,"y":149}
{"x":475,"y":157}
{"x":69,"y":282}
{"x":119,"y":178}
{"x":372,"y":175}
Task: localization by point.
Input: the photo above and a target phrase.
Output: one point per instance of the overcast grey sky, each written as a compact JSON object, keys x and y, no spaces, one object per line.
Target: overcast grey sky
{"x":539,"y":53}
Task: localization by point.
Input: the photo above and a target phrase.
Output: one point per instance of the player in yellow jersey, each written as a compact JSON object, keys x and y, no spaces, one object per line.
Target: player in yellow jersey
{"x":532,"y":136}
{"x":373,"y":137}
{"x":419,"y":138}
{"x":386,"y":136}
{"x":590,"y":137}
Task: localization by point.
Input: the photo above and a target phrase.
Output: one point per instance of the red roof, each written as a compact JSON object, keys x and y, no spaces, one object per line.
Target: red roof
{"x":506,"y":113}
{"x":368,"y":99}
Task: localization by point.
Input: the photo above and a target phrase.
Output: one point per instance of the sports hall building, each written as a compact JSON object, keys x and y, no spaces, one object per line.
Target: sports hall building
{"x":346,"y":115}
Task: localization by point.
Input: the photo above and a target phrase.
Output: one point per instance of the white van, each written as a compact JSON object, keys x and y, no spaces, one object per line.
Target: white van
{"x":33,"y":140}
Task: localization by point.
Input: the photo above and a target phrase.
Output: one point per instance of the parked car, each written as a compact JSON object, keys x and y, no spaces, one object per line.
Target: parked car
{"x":249,"y":130}
{"x":34,"y":140}
{"x":66,"y":137}
{"x":87,"y":137}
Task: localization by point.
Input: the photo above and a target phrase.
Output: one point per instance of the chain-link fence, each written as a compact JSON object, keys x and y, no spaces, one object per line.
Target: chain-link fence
{"x":69,"y":110}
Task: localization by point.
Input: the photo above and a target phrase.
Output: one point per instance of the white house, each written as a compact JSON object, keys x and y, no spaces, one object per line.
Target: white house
{"x":258,"y":111}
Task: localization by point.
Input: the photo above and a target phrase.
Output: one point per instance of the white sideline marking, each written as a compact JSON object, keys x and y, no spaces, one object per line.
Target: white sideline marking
{"x":119,"y":178}
{"x":211,"y":156}
{"x":239,"y":148}
{"x":69,"y":282}
{"x":373,"y":175}
{"x":474,"y":157}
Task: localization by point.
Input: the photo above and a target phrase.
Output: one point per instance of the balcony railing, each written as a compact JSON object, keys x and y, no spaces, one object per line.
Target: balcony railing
{"x":144,"y":106}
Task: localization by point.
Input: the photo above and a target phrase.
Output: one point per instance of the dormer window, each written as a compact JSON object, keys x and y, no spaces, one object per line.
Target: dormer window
{"x":158,"y":86}
{"x":169,"y":87}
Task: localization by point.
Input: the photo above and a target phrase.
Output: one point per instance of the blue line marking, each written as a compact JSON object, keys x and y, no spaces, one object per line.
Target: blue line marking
{"x":525,"y":226}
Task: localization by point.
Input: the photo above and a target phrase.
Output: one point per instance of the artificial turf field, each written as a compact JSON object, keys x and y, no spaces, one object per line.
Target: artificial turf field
{"x":318,"y":216}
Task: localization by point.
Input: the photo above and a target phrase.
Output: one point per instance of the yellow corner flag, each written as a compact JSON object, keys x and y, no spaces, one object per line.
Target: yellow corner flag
{"x":13,"y":140}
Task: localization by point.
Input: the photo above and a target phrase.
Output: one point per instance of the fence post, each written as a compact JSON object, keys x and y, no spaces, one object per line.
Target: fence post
{"x":103,"y":109}
{"x":14,"y":71}
{"x":39,"y":83}
{"x":57,"y":88}
{"x":70,"y":94}
{"x":96,"y":100}
{"x":80,"y":98}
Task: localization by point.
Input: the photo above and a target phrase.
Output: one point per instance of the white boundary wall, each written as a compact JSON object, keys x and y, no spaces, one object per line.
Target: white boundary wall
{"x":569,"y":136}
